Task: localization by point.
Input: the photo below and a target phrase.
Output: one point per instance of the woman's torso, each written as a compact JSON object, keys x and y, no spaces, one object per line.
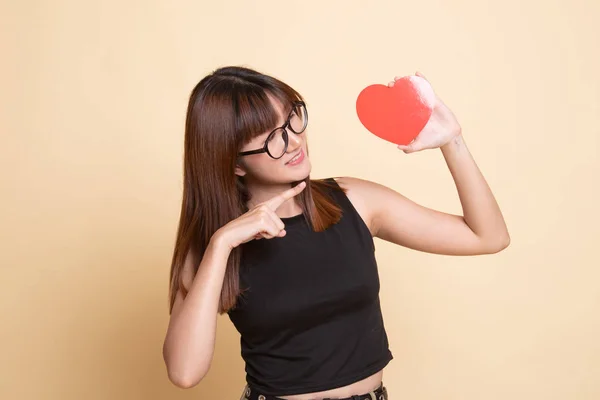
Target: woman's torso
{"x":346,"y":290}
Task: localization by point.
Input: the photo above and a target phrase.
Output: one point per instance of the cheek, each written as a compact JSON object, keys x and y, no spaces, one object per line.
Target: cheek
{"x":264,"y":165}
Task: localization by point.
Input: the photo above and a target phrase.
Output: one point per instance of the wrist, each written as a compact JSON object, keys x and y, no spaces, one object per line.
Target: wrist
{"x":457,"y":140}
{"x":219,"y":241}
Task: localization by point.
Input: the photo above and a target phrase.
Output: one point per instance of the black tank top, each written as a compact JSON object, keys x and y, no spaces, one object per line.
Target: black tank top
{"x":311,"y":319}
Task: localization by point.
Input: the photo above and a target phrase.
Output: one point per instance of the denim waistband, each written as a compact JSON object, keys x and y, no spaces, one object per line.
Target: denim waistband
{"x":251,"y":393}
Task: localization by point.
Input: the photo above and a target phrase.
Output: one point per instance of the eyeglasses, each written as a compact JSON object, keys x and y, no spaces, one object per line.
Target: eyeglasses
{"x":277,"y":142}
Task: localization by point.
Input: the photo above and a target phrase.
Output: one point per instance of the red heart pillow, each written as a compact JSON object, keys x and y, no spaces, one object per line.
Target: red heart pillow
{"x":398,"y":113}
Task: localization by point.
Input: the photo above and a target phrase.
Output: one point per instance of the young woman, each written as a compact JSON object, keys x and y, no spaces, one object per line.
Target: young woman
{"x":291,"y":259}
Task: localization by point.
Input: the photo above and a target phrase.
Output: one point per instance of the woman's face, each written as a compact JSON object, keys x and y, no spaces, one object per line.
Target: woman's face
{"x":293,"y":166}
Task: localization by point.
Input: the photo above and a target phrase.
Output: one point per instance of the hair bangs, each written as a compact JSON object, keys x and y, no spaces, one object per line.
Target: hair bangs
{"x":256,"y":114}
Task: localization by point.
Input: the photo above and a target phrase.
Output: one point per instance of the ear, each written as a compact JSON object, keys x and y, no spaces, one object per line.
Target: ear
{"x":239,"y":169}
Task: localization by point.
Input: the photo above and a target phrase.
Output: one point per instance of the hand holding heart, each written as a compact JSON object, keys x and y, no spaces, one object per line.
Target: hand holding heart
{"x":409,"y":115}
{"x":441,"y":128}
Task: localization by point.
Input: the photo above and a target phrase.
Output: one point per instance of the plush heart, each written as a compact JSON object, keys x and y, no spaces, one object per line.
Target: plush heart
{"x":398,"y":113}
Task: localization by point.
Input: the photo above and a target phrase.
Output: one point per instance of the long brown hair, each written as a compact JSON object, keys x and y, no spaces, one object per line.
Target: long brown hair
{"x":226,"y":109}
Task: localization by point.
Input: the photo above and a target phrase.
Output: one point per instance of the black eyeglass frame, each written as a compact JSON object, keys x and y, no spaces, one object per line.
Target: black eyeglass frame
{"x":265,"y":148}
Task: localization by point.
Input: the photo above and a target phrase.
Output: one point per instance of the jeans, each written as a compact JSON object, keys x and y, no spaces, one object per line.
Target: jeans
{"x":250,"y":393}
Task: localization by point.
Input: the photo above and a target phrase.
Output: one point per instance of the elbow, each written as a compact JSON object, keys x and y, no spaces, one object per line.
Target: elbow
{"x":505,"y":241}
{"x":185,"y":381}
{"x":499,"y":244}
{"x":182,"y":376}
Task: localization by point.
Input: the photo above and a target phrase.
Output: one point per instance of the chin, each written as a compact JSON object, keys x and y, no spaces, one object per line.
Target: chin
{"x":301,"y":173}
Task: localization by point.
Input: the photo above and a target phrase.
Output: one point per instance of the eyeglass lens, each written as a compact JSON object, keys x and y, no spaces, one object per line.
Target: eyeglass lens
{"x":277,"y":144}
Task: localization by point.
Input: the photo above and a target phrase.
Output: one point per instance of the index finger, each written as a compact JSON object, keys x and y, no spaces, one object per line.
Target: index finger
{"x":278,"y":200}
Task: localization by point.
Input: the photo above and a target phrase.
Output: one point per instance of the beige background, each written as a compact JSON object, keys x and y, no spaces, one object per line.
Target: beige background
{"x":93,"y":98}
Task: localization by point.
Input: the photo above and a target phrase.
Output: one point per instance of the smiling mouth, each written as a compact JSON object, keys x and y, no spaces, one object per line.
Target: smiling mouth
{"x":295,"y":156}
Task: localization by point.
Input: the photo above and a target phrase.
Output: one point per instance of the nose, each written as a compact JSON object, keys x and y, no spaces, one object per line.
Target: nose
{"x":294,"y":141}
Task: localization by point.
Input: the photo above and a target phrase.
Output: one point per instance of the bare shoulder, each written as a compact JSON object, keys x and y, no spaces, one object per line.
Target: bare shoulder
{"x":358,"y":192}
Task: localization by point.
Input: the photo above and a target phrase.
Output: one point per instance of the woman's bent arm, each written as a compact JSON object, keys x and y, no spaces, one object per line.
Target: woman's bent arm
{"x":190,"y":340}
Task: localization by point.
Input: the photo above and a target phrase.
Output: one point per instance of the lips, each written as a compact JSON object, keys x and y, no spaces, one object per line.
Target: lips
{"x":295,"y":155}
